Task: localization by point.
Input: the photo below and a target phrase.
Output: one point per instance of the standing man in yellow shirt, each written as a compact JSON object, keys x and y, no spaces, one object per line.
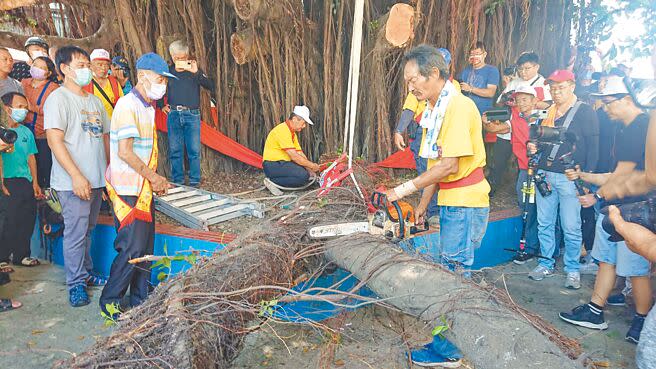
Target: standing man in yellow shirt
{"x":285,"y":164}
{"x":104,"y":86}
{"x":454,"y":148}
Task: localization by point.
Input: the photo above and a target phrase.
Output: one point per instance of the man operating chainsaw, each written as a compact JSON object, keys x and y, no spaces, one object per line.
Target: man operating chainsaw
{"x":285,"y":164}
{"x":454,"y":148}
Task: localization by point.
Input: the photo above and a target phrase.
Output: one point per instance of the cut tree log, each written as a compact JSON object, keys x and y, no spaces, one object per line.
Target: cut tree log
{"x":400,"y":25}
{"x":242,"y":45}
{"x":491,"y":333}
{"x":252,"y":10}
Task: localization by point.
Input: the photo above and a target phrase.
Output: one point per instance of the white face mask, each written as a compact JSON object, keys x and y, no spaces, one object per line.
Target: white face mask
{"x":156,"y":90}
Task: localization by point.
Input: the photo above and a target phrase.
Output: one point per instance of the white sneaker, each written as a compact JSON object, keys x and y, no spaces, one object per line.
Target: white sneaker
{"x":573,"y":281}
{"x":539,"y":273}
{"x":272,"y":187}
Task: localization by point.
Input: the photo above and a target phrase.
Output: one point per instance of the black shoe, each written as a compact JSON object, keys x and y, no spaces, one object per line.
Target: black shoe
{"x":633,"y":335}
{"x":584,"y":317}
{"x":521,"y":258}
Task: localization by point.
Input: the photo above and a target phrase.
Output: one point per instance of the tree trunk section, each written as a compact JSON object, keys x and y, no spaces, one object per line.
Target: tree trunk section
{"x":252,"y":10}
{"x":400,"y":25}
{"x":490,"y":333}
{"x":243,"y":46}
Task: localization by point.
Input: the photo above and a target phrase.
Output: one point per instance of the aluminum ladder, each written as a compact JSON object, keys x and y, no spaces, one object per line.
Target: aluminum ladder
{"x":198,"y":209}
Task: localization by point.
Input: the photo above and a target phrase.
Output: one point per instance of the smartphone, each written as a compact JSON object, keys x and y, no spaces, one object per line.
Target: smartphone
{"x":183,"y":64}
{"x":540,"y":114}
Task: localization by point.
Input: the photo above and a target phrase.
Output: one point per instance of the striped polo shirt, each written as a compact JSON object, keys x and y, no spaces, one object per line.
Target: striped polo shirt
{"x":134,"y":118}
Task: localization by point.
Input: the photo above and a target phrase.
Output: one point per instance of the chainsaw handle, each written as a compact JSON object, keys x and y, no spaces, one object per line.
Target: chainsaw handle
{"x":399,"y":214}
{"x":378,"y":200}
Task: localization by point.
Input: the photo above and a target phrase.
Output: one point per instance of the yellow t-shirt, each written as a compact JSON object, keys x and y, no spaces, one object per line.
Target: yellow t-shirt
{"x":460,"y":137}
{"x":108,"y":91}
{"x":280,"y":139}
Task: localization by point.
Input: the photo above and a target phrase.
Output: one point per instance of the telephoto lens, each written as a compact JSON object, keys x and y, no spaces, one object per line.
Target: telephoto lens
{"x":641,"y":212}
{"x":8,"y":136}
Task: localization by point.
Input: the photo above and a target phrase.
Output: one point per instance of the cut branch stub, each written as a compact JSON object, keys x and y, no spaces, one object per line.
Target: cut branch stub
{"x":251,"y":10}
{"x":400,"y":25}
{"x":242,"y":44}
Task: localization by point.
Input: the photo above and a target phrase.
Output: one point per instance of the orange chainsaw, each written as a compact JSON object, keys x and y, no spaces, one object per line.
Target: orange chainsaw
{"x":396,"y":221}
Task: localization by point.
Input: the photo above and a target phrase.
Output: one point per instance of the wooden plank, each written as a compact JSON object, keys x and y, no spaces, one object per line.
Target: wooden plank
{"x":191,"y":200}
{"x":206,"y":206}
{"x":219,"y":212}
{"x":178,"y":196}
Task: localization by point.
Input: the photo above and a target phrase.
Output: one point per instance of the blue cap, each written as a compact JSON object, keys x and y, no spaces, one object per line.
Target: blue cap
{"x":121,"y":62}
{"x":154,"y":63}
{"x":446,"y":55}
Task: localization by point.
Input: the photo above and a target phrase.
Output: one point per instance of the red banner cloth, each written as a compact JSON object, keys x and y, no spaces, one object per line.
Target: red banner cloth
{"x":400,"y":160}
{"x":217,"y":141}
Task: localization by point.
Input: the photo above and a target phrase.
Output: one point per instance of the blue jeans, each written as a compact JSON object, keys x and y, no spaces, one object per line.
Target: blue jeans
{"x":461,"y":232}
{"x":421,"y":165}
{"x":531,"y":236}
{"x":80,"y":219}
{"x":564,"y":194}
{"x":184,"y":132}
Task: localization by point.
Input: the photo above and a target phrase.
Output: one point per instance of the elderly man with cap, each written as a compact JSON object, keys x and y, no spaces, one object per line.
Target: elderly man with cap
{"x":132,"y":180}
{"x":103,"y":85}
{"x":285,"y":164}
{"x":579,"y":122}
{"x":121,"y":71}
{"x":615,"y":258}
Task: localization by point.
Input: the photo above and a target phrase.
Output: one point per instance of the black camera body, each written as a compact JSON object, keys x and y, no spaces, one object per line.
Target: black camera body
{"x":8,"y":136}
{"x":542,"y":185}
{"x":641,"y":212}
{"x":501,"y":114}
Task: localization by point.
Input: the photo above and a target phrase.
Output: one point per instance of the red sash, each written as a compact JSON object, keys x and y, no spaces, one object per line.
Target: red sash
{"x":473,"y":178}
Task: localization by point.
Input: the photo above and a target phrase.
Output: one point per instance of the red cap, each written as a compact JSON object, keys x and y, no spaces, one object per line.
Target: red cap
{"x":560,"y":75}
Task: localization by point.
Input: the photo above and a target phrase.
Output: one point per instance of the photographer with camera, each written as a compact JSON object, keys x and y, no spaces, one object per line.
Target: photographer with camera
{"x":615,"y":258}
{"x":528,"y":67}
{"x":570,"y":124}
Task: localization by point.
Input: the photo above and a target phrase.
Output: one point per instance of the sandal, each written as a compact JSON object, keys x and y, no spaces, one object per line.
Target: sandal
{"x":30,"y":262}
{"x":8,"y":304}
{"x":6,"y":268}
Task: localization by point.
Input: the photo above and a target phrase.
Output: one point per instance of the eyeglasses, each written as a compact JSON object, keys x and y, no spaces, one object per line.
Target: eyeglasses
{"x":559,"y":89}
{"x":525,"y":69}
{"x":608,"y":102}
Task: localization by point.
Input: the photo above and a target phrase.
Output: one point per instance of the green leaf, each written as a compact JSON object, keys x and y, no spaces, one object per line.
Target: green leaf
{"x":179,"y":258}
{"x":166,"y":249}
{"x":192,"y":259}
{"x":162,"y":276}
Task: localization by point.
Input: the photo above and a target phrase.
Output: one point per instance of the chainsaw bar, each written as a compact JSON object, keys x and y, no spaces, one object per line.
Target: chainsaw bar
{"x":337,"y":230}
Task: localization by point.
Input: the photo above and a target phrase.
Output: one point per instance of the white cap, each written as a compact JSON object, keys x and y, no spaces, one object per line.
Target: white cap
{"x":303,"y":112}
{"x":526,"y":90}
{"x":614,"y":86}
{"x":100,"y":54}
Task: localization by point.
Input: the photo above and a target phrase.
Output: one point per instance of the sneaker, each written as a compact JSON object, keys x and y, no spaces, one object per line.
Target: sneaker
{"x":589,"y":268}
{"x":521,"y":258}
{"x":426,"y":358}
{"x":78,"y":296}
{"x":633,"y":335}
{"x":539,"y":273}
{"x":96,"y":280}
{"x":616,"y":300}
{"x":583,"y":316}
{"x":573,"y":281}
{"x":275,"y":191}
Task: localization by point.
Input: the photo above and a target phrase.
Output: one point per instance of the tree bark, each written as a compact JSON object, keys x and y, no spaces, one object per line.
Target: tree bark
{"x":491,"y":334}
{"x":242,"y":44}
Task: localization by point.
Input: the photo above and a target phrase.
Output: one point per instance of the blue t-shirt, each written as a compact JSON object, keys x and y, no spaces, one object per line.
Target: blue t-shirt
{"x":14,"y":164}
{"x":480,"y":78}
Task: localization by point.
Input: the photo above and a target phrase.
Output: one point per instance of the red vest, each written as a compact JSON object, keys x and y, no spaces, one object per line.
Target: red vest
{"x":519,"y":138}
{"x":113,"y":83}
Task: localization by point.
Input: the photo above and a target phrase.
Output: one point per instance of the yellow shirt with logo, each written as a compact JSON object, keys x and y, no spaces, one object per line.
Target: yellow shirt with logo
{"x":460,"y":137}
{"x":280,"y":139}
{"x":108,"y":91}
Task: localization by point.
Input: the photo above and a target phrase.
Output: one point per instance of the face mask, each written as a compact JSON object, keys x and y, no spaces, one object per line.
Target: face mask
{"x":82,"y":76}
{"x":156,"y":90}
{"x":38,"y":53}
{"x":37,"y":73}
{"x":18,"y":115}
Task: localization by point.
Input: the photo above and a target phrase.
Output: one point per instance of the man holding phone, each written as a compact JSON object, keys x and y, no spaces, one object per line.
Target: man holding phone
{"x":183,"y":111}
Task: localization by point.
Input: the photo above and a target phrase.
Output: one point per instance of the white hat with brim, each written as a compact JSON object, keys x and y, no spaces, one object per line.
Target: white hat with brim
{"x":526,"y":90}
{"x":614,"y":86}
{"x":303,"y":112}
{"x":100,"y":54}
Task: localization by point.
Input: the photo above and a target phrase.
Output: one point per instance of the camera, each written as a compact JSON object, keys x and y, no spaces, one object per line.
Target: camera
{"x":641,"y":212}
{"x":8,"y":136}
{"x":542,"y":185}
{"x":568,"y":163}
{"x":507,"y":97}
{"x":502,"y":114}
{"x":546,"y":134}
{"x":540,"y":114}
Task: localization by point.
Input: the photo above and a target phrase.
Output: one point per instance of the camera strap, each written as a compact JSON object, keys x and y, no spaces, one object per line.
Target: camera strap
{"x":565,"y":126}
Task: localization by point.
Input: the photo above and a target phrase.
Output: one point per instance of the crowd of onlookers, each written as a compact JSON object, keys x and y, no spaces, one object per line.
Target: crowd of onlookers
{"x":58,"y":106}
